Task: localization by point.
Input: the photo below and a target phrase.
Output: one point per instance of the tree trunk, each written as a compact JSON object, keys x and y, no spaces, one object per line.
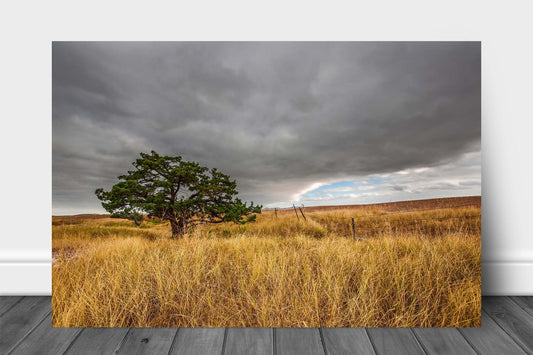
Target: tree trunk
{"x":177,"y":228}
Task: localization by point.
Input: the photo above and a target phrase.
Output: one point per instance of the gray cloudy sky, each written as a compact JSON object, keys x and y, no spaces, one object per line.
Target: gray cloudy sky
{"x":312,"y":123}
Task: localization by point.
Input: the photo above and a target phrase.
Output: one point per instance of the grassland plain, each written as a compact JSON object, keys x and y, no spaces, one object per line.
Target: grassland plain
{"x":418,"y":265}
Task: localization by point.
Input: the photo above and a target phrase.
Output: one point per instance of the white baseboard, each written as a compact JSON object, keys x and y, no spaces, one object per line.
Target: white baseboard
{"x":507,"y":278}
{"x":26,"y":278}
{"x":499,"y":278}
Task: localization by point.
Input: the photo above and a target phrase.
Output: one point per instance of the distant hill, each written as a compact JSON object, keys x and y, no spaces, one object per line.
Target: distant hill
{"x":433,"y":203}
{"x":78,"y":218}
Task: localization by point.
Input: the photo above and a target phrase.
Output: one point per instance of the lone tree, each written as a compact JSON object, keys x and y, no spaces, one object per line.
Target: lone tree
{"x":181,"y":192}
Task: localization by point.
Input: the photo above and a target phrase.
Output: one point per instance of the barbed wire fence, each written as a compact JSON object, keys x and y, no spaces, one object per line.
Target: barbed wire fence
{"x":382,"y":221}
{"x":420,"y":225}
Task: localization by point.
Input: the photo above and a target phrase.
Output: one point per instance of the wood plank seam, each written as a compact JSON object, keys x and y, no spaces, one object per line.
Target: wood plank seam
{"x":517,"y":341}
{"x":119,"y":345}
{"x":521,"y":306}
{"x":419,"y":342}
{"x":123,"y":341}
{"x":13,"y":305}
{"x":274,"y":345}
{"x":224,"y":340}
{"x":273,"y":341}
{"x":173,"y":342}
{"x":468,"y":341}
{"x":322,"y":341}
{"x":73,"y":340}
{"x":28,"y":333}
{"x":371,"y":341}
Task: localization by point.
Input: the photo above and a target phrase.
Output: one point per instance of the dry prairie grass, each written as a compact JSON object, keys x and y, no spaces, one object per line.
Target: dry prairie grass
{"x":420,"y":268}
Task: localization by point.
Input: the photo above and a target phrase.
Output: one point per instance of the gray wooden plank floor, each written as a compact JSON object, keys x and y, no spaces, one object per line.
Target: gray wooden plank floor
{"x":507,"y":328}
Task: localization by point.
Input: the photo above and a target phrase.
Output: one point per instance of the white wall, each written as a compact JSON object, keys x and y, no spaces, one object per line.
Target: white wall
{"x":27,"y":30}
{"x":507,"y":188}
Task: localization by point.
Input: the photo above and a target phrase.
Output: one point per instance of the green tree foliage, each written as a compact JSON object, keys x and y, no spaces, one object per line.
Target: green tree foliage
{"x":181,"y":192}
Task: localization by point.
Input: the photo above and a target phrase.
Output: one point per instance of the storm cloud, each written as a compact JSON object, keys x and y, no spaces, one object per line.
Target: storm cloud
{"x":283,"y":119}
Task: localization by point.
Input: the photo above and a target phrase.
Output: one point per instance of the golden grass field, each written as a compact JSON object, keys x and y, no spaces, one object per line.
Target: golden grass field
{"x":417,"y":265}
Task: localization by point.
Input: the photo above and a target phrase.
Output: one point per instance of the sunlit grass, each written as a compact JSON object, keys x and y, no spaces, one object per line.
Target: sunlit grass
{"x":412,"y":269}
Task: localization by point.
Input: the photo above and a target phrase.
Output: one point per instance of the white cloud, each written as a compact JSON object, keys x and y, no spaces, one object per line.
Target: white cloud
{"x":461,"y":177}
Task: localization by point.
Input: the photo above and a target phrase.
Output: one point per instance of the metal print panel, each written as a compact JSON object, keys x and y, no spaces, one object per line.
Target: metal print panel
{"x":266,"y":184}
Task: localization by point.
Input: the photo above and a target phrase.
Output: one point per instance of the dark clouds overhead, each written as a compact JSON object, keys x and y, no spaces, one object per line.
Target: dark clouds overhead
{"x":278,"y":117}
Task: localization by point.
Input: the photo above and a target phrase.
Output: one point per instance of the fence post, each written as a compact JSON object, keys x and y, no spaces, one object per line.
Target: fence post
{"x":353,"y":228}
{"x":276,"y":210}
{"x":302,"y":214}
{"x":295,"y":211}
